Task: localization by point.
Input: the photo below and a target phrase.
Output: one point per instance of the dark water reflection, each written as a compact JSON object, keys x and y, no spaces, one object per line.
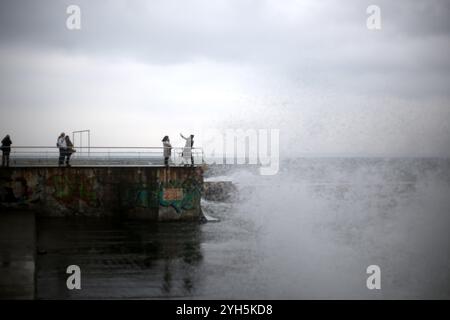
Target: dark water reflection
{"x":118,"y":259}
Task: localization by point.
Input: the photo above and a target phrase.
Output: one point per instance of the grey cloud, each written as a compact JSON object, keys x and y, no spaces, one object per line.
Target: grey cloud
{"x":291,"y":48}
{"x":244,"y":29}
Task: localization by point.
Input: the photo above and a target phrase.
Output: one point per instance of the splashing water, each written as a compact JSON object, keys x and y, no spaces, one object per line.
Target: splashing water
{"x":312,"y":230}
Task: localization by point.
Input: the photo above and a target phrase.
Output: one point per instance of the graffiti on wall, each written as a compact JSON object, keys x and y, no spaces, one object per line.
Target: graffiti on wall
{"x":139,"y":195}
{"x":18,"y":190}
{"x":23,"y":188}
{"x":70,"y":190}
{"x":15,"y":191}
{"x":96,"y":191}
{"x":180,"y":195}
{"x":172,"y":194}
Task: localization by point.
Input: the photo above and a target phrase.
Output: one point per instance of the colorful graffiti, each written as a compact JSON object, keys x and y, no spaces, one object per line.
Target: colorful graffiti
{"x":104,"y":191}
{"x":180,"y":195}
{"x":171,"y":194}
{"x":70,"y":189}
{"x":17,"y":190}
{"x":137,"y":195}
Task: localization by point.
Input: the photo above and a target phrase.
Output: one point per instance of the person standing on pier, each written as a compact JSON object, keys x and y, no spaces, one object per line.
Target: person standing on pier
{"x":6,"y":150}
{"x":61,"y":144}
{"x":69,"y":150}
{"x":187,"y":151}
{"x":167,"y":150}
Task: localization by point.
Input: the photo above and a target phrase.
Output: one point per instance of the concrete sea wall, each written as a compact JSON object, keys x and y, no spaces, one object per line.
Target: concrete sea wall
{"x":154,"y":193}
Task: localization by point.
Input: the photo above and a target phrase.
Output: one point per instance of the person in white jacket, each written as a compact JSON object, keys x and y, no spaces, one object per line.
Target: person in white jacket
{"x":61,"y":144}
{"x":187,"y":150}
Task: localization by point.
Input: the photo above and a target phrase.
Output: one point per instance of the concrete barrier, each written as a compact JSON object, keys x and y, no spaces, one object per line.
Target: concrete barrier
{"x":154,"y":193}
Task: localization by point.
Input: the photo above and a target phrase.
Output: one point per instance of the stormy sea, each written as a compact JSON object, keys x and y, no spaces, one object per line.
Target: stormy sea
{"x":308,"y":232}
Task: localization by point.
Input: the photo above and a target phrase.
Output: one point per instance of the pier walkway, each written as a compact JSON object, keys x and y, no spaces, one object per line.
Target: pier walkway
{"x":35,"y":156}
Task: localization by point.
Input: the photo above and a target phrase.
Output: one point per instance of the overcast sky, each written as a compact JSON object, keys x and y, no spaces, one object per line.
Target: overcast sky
{"x":138,"y":70}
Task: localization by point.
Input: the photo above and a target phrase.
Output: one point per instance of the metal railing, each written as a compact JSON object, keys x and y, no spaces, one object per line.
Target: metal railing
{"x":103,"y":156}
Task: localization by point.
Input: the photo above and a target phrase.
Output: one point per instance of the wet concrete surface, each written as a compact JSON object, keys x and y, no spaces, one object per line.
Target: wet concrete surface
{"x":17,"y":255}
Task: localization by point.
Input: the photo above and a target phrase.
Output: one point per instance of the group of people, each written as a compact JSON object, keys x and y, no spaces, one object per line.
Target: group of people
{"x":187,"y":150}
{"x":66,"y":149}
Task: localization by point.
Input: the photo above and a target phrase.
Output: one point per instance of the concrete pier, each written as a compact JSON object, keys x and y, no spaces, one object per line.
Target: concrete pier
{"x":153,"y":193}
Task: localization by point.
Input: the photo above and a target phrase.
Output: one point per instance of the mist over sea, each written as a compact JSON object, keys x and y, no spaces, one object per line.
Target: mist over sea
{"x":308,"y":232}
{"x":319,"y":223}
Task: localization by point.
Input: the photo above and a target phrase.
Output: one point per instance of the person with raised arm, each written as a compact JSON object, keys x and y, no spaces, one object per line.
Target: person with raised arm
{"x":187,"y":150}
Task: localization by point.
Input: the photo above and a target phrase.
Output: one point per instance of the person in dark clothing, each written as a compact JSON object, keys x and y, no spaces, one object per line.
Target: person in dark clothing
{"x":167,"y":150}
{"x":69,"y":150}
{"x":61,"y":144}
{"x":6,"y":150}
